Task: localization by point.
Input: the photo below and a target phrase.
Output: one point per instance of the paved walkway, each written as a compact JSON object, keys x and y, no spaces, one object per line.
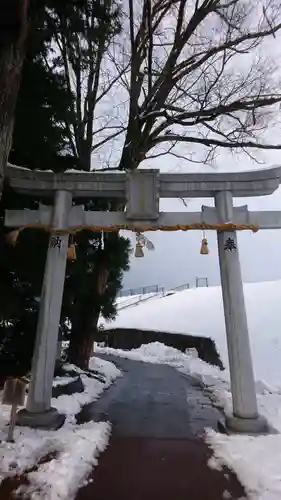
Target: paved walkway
{"x":156,"y":450}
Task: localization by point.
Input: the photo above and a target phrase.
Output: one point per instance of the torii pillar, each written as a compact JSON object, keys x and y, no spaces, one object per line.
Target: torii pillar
{"x":245,"y":417}
{"x":38,"y":412}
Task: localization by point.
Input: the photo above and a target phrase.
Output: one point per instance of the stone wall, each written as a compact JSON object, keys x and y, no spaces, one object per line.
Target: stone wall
{"x":130,"y":338}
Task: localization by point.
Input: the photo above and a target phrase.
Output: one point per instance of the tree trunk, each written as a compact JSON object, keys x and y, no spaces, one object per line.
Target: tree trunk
{"x":85,"y":323}
{"x":82,"y":339}
{"x":13,"y":29}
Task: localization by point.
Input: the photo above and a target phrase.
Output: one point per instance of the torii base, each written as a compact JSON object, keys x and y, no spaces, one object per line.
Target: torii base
{"x":48,"y":420}
{"x":252,"y":426}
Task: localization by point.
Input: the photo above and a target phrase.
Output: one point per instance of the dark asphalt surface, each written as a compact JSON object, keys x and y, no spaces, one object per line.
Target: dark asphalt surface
{"x":153,"y":401}
{"x":156,"y":450}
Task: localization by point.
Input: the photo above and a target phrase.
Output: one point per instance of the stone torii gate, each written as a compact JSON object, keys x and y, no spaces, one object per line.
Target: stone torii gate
{"x":141,"y":192}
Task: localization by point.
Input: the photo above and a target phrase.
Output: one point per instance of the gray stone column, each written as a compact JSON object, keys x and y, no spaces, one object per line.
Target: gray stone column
{"x":38,"y":412}
{"x":245,"y":416}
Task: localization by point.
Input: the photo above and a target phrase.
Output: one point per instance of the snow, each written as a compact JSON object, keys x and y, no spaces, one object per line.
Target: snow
{"x":187,"y":362}
{"x":200,"y":312}
{"x":108,"y":369}
{"x":128,"y":301}
{"x":76,"y":171}
{"x":255,"y":459}
{"x":71,"y":404}
{"x":96,"y":171}
{"x":75,"y":447}
{"x":78,"y":451}
{"x":133,"y":300}
{"x":63,"y":381}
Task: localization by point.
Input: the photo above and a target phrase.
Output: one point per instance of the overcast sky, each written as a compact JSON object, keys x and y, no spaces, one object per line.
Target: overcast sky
{"x":177,"y":259}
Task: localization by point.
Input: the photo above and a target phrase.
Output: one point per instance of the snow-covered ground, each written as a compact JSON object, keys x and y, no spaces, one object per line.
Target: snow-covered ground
{"x":256,"y":460}
{"x":132,"y":300}
{"x":75,"y":447}
{"x":199,"y":311}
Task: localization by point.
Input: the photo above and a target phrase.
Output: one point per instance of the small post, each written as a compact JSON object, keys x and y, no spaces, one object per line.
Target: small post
{"x":13,"y":395}
{"x":12,"y":423}
{"x":245,"y":416}
{"x":38,"y":412}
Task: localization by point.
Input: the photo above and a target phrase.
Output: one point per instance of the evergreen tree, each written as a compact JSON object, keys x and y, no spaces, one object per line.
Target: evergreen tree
{"x":90,"y":292}
{"x":39,"y":139}
{"x":37,"y":143}
{"x":44,"y":114}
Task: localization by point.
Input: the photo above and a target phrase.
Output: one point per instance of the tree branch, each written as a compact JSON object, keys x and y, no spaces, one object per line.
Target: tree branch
{"x":214,"y":142}
{"x":104,"y":141}
{"x":186,"y":67}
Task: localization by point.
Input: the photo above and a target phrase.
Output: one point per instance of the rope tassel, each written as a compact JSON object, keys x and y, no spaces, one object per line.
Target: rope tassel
{"x":12,"y":237}
{"x":139,"y":250}
{"x":140,"y":243}
{"x":204,"y":247}
{"x":71,"y":251}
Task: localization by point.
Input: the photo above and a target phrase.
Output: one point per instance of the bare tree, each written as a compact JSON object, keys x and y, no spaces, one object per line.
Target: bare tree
{"x":13,"y":28}
{"x":199,"y":77}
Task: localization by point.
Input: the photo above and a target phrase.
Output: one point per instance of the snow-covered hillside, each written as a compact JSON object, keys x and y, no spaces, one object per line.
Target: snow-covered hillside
{"x":200,"y":312}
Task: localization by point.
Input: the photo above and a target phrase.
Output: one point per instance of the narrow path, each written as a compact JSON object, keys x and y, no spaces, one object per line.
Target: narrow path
{"x":157,"y":450}
{"x":153,"y":401}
